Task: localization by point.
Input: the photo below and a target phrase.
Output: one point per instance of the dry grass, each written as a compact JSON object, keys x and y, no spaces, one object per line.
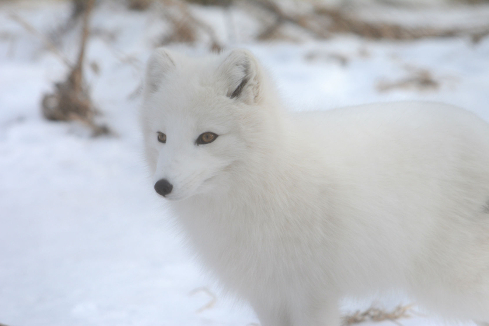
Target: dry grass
{"x":333,"y":57}
{"x":379,"y":315}
{"x":342,"y":22}
{"x":279,"y":17}
{"x":471,"y":2}
{"x":418,"y":79}
{"x":212,"y":2}
{"x":370,"y":315}
{"x":138,"y":5}
{"x":322,"y":22}
{"x":71,"y":99}
{"x":185,"y":26}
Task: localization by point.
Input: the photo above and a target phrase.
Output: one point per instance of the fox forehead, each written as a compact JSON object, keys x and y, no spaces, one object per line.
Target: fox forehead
{"x":196,"y":108}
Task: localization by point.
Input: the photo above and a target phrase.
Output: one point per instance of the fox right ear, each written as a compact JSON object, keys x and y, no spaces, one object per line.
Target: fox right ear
{"x":241,"y":75}
{"x":159,"y":64}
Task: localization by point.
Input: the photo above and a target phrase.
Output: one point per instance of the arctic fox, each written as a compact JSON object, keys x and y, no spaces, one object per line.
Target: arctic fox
{"x":294,"y":211}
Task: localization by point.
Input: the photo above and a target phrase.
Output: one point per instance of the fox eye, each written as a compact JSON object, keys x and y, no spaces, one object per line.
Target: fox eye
{"x":206,"y":138}
{"x":161,"y":137}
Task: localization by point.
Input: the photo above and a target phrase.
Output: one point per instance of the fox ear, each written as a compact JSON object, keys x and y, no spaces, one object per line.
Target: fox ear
{"x":240,"y":73}
{"x":159,"y":64}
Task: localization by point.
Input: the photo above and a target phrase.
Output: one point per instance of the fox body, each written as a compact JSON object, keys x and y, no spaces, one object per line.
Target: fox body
{"x":295,"y":211}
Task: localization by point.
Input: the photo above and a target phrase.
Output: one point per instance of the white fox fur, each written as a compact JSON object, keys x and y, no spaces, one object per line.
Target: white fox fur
{"x":295,"y":211}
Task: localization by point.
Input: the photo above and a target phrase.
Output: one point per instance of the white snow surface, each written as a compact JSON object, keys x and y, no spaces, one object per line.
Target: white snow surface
{"x":84,"y":240}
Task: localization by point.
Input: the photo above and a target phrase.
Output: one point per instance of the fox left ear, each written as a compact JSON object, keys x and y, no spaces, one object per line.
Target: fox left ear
{"x":241,"y":75}
{"x":159,"y":64}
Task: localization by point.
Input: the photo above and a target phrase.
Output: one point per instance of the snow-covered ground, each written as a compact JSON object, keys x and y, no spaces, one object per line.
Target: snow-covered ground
{"x":84,"y":240}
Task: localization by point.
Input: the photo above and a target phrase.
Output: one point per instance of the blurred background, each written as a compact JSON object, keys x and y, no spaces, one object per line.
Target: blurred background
{"x":84,"y":240}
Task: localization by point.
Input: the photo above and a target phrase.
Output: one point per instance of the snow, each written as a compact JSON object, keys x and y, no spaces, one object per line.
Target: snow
{"x":84,"y":240}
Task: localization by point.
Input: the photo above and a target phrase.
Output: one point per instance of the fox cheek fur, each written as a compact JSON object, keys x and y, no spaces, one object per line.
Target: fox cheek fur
{"x":295,"y":211}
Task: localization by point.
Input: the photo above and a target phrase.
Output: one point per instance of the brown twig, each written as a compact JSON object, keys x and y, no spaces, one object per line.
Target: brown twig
{"x":378,"y":315}
{"x":77,"y":73}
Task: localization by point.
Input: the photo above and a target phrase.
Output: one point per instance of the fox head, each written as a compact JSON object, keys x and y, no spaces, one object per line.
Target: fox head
{"x":202,"y":118}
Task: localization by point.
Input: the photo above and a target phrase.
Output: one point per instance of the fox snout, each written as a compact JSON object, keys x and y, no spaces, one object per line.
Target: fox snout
{"x":163,"y":187}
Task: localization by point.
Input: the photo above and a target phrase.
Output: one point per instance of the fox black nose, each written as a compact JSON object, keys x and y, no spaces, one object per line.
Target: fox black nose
{"x":163,"y":187}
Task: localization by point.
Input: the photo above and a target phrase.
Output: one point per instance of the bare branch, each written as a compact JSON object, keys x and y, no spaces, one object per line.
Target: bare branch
{"x":46,"y":41}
